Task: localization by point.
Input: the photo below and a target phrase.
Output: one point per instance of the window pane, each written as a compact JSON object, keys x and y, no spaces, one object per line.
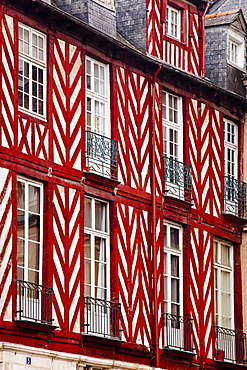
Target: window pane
{"x":20,"y":252}
{"x":21,"y":224}
{"x":174,"y":266}
{"x":34,"y":227}
{"x":33,"y":255}
{"x":174,"y":238}
{"x":100,"y":216}
{"x":87,"y":213}
{"x":87,"y":246}
{"x":225,"y":255}
{"x":34,"y":199}
{"x":100,"y":249}
{"x":33,"y":277}
{"x":20,"y":195}
{"x":175,"y":290}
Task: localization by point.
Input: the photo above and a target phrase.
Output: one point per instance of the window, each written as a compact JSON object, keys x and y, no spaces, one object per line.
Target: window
{"x":34,"y":301}
{"x":101,"y":149}
{"x":223,"y":282}
{"x":236,"y":49}
{"x":96,"y":249}
{"x":172,"y":126}
{"x":32,"y":71}
{"x":173,"y":22}
{"x":177,"y":175}
{"x":231,"y":149}
{"x":173,"y":269}
{"x":29,"y":230}
{"x":97,"y":85}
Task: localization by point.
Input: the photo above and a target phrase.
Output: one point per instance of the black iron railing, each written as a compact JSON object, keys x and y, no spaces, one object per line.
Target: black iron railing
{"x":34,"y":302}
{"x":178,"y":179}
{"x":101,"y":155}
{"x":230,"y":345}
{"x":102,"y":317}
{"x":178,"y":332}
{"x":235,"y":197}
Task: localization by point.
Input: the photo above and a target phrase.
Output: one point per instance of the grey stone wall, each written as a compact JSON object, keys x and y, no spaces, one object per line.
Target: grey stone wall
{"x":131,"y":21}
{"x":216,"y":55}
{"x":92,"y":13}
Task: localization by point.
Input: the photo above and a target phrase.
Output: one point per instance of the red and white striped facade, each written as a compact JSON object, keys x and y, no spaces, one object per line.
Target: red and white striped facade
{"x":52,"y":151}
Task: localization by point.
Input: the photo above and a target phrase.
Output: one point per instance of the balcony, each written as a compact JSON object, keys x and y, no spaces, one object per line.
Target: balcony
{"x":101,"y":155}
{"x":102,"y":318}
{"x":34,"y":303}
{"x":178,"y":179}
{"x":235,"y":197}
{"x":178,"y":332}
{"x":230,"y":345}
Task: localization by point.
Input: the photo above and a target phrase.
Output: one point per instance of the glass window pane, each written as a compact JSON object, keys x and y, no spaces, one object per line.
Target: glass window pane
{"x":225,"y":281}
{"x":100,"y":274}
{"x":34,"y":227}
{"x":87,"y":272}
{"x":87,"y":213}
{"x":20,"y":195}
{"x":33,"y":277}
{"x":87,"y":246}
{"x":174,"y":238}
{"x":100,"y":216}
{"x":175,"y":290}
{"x":21,"y":224}
{"x":33,"y":255}
{"x":174,"y":266}
{"x":225,"y":255}
{"x":100,"y":249}
{"x":34,"y":199}
{"x":20,"y":252}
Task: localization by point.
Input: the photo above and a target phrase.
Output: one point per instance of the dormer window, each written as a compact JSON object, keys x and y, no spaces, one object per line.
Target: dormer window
{"x":236,"y":50}
{"x":173,"y":20}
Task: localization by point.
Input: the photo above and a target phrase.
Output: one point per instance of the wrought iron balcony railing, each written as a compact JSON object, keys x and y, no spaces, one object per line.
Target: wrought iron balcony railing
{"x":102,"y":317}
{"x":230,"y":345}
{"x":178,"y":332}
{"x":178,"y":179}
{"x":235,"y":197}
{"x":34,"y":302}
{"x":101,"y":155}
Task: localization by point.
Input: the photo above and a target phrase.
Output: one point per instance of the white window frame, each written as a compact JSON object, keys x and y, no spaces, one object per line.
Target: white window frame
{"x":231,"y":148}
{"x":236,"y":50}
{"x":167,"y":275}
{"x":27,"y":183}
{"x":28,"y":58}
{"x":172,"y":122}
{"x":173,"y":26}
{"x":219,"y":269}
{"x":100,"y":123}
{"x":105,"y":235}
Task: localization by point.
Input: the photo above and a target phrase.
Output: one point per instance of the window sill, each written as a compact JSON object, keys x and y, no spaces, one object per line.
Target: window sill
{"x":179,"y":353}
{"x":228,"y":365}
{"x":234,"y":218}
{"x":178,"y":202}
{"x":35,"y":326}
{"x":100,"y":340}
{"x":100,"y":179}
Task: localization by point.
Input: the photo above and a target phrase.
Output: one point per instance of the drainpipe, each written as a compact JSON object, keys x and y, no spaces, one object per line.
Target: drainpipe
{"x":203,"y":35}
{"x":153,"y":192}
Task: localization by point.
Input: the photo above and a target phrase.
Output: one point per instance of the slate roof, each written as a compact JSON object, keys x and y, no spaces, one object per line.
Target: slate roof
{"x":221,"y":6}
{"x":221,"y":18}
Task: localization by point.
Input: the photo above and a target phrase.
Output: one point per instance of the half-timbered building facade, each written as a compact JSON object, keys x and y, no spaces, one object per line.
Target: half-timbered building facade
{"x":122,"y":199}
